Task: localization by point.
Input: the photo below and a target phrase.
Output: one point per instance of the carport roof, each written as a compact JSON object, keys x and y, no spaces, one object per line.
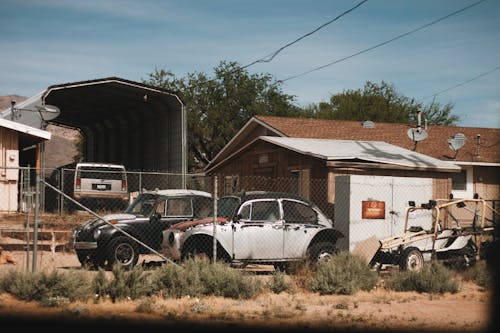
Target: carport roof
{"x":84,"y":103}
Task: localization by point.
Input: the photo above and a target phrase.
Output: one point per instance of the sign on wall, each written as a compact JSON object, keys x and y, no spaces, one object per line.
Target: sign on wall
{"x":373,"y":210}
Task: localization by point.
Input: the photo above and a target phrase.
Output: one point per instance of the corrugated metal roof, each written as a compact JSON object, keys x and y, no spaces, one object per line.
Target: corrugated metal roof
{"x":371,"y":151}
{"x":25,"y":129}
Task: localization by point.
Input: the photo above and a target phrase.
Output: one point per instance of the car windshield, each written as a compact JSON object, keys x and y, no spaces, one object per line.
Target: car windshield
{"x":226,"y":206}
{"x":143,"y":205}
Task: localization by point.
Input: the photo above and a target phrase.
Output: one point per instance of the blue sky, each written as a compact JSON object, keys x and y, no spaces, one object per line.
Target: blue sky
{"x":47,"y":42}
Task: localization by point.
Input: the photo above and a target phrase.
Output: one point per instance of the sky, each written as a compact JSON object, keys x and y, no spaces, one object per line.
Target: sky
{"x":427,"y":49}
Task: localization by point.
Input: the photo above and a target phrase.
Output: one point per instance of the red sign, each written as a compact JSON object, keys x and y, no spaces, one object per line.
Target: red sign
{"x":373,"y":210}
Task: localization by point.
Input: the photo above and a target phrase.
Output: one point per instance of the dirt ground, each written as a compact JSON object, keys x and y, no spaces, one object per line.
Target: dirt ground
{"x":379,"y":310}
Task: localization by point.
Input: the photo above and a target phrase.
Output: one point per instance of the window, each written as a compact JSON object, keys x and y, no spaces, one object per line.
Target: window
{"x":265,"y":211}
{"x":297,"y":212}
{"x":462,"y":186}
{"x":300,"y":182}
{"x":179,"y":207}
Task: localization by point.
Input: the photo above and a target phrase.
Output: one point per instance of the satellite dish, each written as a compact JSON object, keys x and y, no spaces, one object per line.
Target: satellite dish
{"x":456,"y":142}
{"x":49,"y":112}
{"x":417,"y":134}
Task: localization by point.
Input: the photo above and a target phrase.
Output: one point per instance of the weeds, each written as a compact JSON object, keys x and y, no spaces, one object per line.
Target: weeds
{"x":46,"y":288}
{"x":343,"y":274}
{"x":479,"y":274}
{"x":278,"y":283}
{"x":434,"y":278}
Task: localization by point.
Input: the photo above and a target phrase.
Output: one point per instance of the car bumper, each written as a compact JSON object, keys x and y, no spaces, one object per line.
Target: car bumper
{"x":83,"y":245}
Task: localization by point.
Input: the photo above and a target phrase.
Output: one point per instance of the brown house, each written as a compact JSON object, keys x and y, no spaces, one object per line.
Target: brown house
{"x":384,"y":149}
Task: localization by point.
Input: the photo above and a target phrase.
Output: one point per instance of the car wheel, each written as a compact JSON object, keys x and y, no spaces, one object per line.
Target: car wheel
{"x":411,"y":260}
{"x":321,"y":252}
{"x":123,"y":251}
{"x":197,"y":252}
{"x":84,"y":257}
{"x":468,"y":256}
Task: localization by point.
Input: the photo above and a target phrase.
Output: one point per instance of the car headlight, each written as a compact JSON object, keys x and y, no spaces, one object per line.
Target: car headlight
{"x":97,"y":233}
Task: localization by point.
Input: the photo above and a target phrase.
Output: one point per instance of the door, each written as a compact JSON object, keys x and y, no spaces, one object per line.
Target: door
{"x":259,"y":233}
{"x":301,"y":222}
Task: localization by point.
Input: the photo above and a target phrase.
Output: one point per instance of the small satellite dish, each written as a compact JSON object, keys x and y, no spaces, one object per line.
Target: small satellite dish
{"x":49,"y":112}
{"x":456,"y":142}
{"x":417,"y":134}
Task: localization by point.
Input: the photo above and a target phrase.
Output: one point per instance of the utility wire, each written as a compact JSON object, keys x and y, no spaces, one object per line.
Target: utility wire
{"x":271,"y":56}
{"x":461,"y":84}
{"x":384,"y":43}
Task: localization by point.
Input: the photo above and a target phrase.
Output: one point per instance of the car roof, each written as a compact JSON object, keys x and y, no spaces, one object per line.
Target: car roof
{"x":105,"y":165}
{"x":180,"y":191}
{"x":249,"y":195}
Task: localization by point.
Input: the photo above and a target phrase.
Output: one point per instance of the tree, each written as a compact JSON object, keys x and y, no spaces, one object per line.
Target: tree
{"x":219,"y":107}
{"x":381,"y":103}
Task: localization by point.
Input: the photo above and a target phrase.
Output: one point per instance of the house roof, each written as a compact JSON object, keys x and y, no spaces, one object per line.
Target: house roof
{"x":28,"y":135}
{"x":367,"y":151}
{"x":482,"y":149}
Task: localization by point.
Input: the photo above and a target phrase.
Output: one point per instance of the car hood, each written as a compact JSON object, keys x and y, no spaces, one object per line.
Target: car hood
{"x":110,"y":218}
{"x":182,"y":226}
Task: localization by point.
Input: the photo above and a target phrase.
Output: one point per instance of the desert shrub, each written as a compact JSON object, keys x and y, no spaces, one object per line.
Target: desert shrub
{"x":176,"y":281}
{"x":343,"y":274}
{"x":125,"y":283}
{"x":433,"y":278}
{"x":199,"y":277}
{"x":49,"y":288}
{"x":278,"y":284}
{"x":479,"y":274}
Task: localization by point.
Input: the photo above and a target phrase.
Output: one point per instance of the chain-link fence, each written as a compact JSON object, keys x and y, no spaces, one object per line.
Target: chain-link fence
{"x":170,"y":217}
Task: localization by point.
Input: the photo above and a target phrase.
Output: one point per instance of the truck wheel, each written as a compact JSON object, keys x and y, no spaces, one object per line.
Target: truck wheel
{"x":411,"y":260}
{"x":321,"y":252}
{"x":123,"y":251}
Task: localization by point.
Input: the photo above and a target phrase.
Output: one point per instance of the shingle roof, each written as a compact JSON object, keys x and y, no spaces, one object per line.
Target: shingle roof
{"x":484,"y":150}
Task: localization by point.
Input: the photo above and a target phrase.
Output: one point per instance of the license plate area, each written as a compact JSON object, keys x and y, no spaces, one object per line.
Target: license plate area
{"x":101,"y":187}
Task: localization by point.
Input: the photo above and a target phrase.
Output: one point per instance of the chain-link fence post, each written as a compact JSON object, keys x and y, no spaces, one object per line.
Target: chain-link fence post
{"x":215,"y":220}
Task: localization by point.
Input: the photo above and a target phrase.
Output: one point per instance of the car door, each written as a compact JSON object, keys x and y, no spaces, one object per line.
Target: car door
{"x":258,"y":234}
{"x":300,"y":225}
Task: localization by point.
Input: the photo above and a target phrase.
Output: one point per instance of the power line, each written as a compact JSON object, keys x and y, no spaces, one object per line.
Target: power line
{"x":271,"y":56}
{"x":461,"y":84}
{"x":384,"y":43}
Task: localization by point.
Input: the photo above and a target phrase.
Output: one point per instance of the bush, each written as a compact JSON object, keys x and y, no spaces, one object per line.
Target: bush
{"x":199,"y":277}
{"x":433,"y":278}
{"x":46,"y":287}
{"x":278,"y":283}
{"x":126,"y":283}
{"x":479,"y":274}
{"x":343,"y":274}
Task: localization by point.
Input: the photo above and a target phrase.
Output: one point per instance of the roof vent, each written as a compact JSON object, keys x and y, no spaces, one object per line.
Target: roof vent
{"x":368,"y":124}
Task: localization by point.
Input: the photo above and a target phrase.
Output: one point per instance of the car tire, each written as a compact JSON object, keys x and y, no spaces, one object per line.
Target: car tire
{"x":197,"y":252}
{"x":122,"y":250}
{"x":321,"y":252}
{"x":411,"y":260}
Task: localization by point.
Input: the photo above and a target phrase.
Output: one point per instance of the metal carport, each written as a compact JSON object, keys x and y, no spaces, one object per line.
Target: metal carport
{"x":121,"y":121}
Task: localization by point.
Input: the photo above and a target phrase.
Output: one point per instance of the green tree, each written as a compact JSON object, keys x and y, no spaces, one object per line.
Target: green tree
{"x":381,"y":103}
{"x":217,"y":108}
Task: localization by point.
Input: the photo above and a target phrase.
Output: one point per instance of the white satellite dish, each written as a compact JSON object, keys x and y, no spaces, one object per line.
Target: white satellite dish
{"x":417,"y":134}
{"x":49,"y":112}
{"x":456,"y":142}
